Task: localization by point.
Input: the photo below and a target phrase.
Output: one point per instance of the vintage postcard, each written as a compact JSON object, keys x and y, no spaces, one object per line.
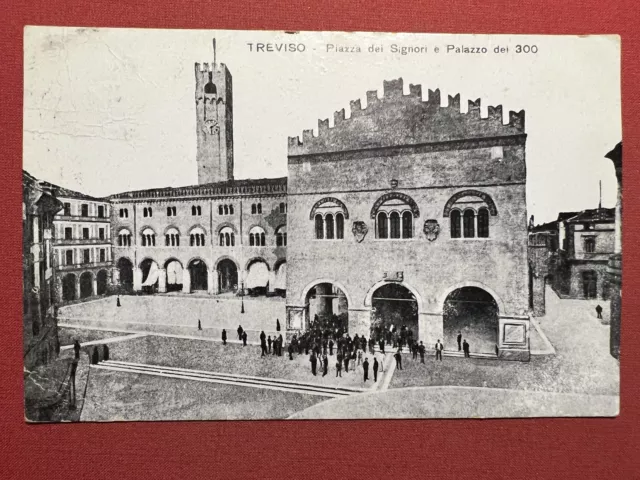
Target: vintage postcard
{"x":312,"y":225}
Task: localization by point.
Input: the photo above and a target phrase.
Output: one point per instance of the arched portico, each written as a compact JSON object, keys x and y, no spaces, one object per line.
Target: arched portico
{"x":471,"y":283}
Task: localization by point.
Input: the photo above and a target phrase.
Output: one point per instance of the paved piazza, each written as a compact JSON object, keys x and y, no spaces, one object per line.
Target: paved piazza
{"x":145,"y":339}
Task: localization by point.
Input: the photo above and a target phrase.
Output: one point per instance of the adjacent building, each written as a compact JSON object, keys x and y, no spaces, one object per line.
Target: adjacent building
{"x":409,"y":213}
{"x":82,"y":246}
{"x":614,"y":267}
{"x":40,"y":337}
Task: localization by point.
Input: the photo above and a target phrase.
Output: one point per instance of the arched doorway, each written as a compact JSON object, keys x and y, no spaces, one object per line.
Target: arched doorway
{"x":327,"y":309}
{"x":227,"y":276}
{"x":69,"y":287}
{"x":125,"y":269}
{"x":280,"y":284}
{"x":101,"y":282}
{"x":198,"y":271}
{"x":86,"y":285}
{"x":257,"y":282}
{"x":150,"y":274}
{"x":394,"y":314}
{"x":174,"y":275}
{"x":472,"y":312}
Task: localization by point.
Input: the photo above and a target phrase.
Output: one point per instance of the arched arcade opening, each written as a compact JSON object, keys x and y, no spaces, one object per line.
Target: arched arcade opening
{"x":199,"y":276}
{"x":101,"y":282}
{"x":280,"y":284}
{"x":327,"y":309}
{"x":125,"y":270}
{"x":227,"y":276}
{"x":257,"y":282}
{"x":174,"y":275}
{"x":394,"y":314}
{"x":69,"y":287}
{"x":472,"y":312}
{"x":150,"y":275}
{"x":86,"y":285}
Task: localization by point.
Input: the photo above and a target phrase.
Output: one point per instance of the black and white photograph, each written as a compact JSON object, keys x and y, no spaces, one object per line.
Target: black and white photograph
{"x":252,"y":225}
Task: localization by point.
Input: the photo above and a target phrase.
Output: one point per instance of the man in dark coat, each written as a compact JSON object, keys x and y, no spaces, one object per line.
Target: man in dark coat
{"x":330,"y":347}
{"x":244,"y":339}
{"x":346,"y":363}
{"x":239,"y":332}
{"x":263,"y":344}
{"x":599,"y":311}
{"x":439,"y":348}
{"x":325,"y":365}
{"x":269,"y":341}
{"x":275,"y":345}
{"x":314,"y":362}
{"x":277,"y":325}
{"x":459,"y":338}
{"x":465,"y":346}
{"x":365,"y":368}
{"x":290,"y":349}
{"x":398,"y":357}
{"x":76,"y":349}
{"x":414,"y":352}
{"x":372,"y":345}
{"x":118,"y":301}
{"x":422,"y":350}
{"x":199,"y":325}
{"x":324,"y":347}
{"x":224,"y":336}
{"x":339,"y":368}
{"x":375,"y":369}
{"x":382,"y":345}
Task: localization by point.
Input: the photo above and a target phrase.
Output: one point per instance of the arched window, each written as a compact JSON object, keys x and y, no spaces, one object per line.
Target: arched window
{"x":259,"y":208}
{"x":226,"y":209}
{"x":319,"y":227}
{"x":394,"y":214}
{"x":148,"y":238}
{"x":283,"y":207}
{"x":257,"y":237}
{"x":483,"y":222}
{"x":230,"y":209}
{"x":454,"y":219}
{"x":382,"y":225}
{"x":196,"y":237}
{"x":172,"y":238}
{"x":281,"y":236}
{"x":144,"y":212}
{"x":254,"y":209}
{"x":328,"y":220}
{"x":124,"y":238}
{"x":339,"y":226}
{"x":468,"y":224}
{"x":407,"y":225}
{"x":220,"y":210}
{"x":394,"y":225}
{"x":193,"y":210}
{"x":227,"y":237}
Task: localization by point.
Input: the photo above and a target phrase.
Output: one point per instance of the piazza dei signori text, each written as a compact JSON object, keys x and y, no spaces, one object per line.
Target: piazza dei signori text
{"x":403,"y":222}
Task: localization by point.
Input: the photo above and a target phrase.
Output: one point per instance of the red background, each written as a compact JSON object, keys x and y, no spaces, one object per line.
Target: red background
{"x":540,"y":448}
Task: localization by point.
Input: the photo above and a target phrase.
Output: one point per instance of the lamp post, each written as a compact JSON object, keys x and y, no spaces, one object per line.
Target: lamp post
{"x":242,"y":298}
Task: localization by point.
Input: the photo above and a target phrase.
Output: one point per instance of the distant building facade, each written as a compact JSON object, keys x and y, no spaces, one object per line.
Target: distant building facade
{"x":82,"y":246}
{"x":614,"y":267}
{"x":40,"y":336}
{"x":409,"y":213}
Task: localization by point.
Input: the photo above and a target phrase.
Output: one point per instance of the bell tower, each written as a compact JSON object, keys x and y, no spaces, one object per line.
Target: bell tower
{"x":214,"y":121}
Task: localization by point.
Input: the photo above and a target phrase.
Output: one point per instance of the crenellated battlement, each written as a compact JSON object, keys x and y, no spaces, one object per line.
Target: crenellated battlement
{"x":398,"y":119}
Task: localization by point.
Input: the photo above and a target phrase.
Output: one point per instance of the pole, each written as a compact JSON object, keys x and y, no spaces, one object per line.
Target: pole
{"x":242,"y":298}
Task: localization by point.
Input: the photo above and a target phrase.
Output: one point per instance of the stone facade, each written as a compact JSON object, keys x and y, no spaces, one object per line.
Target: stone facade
{"x":614,"y":267}
{"x":430,"y":164}
{"x":40,"y":332}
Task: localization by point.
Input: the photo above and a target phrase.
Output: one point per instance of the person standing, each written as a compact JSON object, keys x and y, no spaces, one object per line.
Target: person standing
{"x":239,"y":332}
{"x":269,"y":341}
{"x":339,"y":368}
{"x":105,"y":352}
{"x":382,"y":346}
{"x":375,"y":369}
{"x":414,"y":352}
{"x":331,"y":347}
{"x":599,"y":311}
{"x":275,"y":345}
{"x":277,"y":325}
{"x":280,"y":345}
{"x":365,"y":368}
{"x":459,"y":338}
{"x":263,"y":344}
{"x":324,"y":347}
{"x":422,"y":350}
{"x":199,"y":325}
{"x":290,"y":349}
{"x":118,"y":301}
{"x":314,"y":362}
{"x":244,"y":339}
{"x":398,"y":357}
{"x":325,"y":366}
{"x":346,"y":363}
{"x":465,"y":347}
{"x":76,"y":349}
{"x":382,"y":364}
{"x":224,"y":336}
{"x":439,"y":348}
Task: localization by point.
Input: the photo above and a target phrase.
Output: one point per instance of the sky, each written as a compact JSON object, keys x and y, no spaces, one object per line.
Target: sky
{"x":112,"y":110}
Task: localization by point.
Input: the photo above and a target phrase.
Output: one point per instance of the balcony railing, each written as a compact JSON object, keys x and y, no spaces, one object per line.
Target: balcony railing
{"x":74,"y":266}
{"x":82,"y":241}
{"x":80,"y":218}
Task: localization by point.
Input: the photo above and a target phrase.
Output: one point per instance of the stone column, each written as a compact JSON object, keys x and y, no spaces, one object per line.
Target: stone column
{"x":212,"y":281}
{"x":162,"y":280}
{"x":137,"y":279}
{"x":186,"y":280}
{"x":272,"y":280}
{"x":77,"y":287}
{"x":115,"y":275}
{"x":94,"y":285}
{"x":360,"y":322}
{"x":430,"y":329}
{"x":323,"y":300}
